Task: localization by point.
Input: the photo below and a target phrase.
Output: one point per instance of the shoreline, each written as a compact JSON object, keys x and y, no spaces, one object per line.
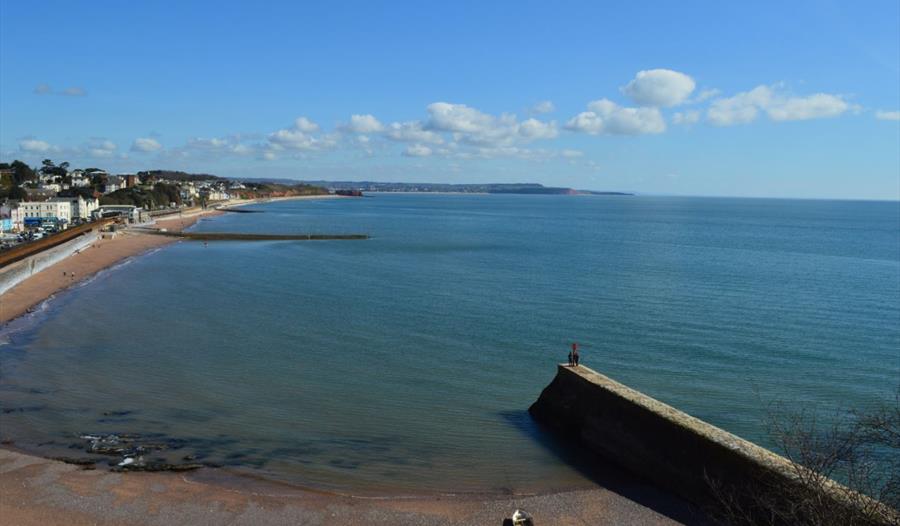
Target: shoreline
{"x":35,"y":490}
{"x":244,"y":202}
{"x":22,"y":299}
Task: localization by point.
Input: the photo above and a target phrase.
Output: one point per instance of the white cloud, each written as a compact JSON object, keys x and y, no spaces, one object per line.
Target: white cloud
{"x":686,"y":117}
{"x":705,"y":95}
{"x":608,"y":118}
{"x":145,"y":144}
{"x":242,"y":149}
{"x":817,"y":106}
{"x":458,"y":118}
{"x":417,"y":150}
{"x":300,"y":137}
{"x":746,"y":106}
{"x":545,"y":106}
{"x":305,"y":125}
{"x":100,"y":148}
{"x":535,"y":129}
{"x":531,"y":154}
{"x":364,"y":124}
{"x":73,"y":92}
{"x":887,"y":115}
{"x":412,"y":131}
{"x":199,"y":143}
{"x":659,"y":87}
{"x":203,"y":148}
{"x":34,"y":146}
{"x":743,"y":107}
{"x":572,"y":154}
{"x":474,"y":128}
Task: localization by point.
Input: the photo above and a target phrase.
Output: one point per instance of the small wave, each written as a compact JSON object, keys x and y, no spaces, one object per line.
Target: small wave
{"x":37,"y":313}
{"x":30,"y":319}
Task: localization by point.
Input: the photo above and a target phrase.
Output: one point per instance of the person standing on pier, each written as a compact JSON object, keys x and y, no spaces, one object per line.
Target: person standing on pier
{"x":571,"y":356}
{"x":575,"y":354}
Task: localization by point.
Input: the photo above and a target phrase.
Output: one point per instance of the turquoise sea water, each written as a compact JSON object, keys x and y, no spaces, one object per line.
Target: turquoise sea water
{"x":407,"y":362}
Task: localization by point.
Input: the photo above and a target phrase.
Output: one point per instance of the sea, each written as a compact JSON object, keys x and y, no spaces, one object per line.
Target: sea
{"x":405,"y":363}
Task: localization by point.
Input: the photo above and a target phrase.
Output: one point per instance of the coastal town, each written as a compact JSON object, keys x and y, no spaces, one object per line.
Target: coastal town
{"x":36,"y":202}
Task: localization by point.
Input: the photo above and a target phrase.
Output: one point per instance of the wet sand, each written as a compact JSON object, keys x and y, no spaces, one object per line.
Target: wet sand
{"x":35,"y":491}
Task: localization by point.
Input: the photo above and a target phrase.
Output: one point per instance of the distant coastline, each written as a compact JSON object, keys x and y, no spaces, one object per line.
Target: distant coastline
{"x":448,"y":188}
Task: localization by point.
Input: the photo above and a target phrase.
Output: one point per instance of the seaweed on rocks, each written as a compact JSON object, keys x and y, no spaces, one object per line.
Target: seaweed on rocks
{"x":130,"y":450}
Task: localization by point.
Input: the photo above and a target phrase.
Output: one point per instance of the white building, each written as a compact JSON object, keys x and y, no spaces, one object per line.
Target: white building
{"x":80,"y":181}
{"x":61,"y":210}
{"x":188,"y":191}
{"x":17,"y":218}
{"x":214,"y":194}
{"x":113,"y":183}
{"x":132,"y":213}
{"x":81,"y":207}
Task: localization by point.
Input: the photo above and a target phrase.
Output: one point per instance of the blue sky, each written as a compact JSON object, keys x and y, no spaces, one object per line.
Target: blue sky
{"x":784,"y":99}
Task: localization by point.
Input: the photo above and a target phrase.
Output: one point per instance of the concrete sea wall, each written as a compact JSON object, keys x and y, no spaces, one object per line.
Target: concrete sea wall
{"x":24,"y":250}
{"x":14,"y":273}
{"x":671,"y":448}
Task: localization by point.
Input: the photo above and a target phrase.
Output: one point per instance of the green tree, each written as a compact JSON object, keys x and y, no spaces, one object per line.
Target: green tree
{"x":49,"y":168}
{"x":98,"y":181}
{"x":18,"y":193}
{"x":22,"y":172}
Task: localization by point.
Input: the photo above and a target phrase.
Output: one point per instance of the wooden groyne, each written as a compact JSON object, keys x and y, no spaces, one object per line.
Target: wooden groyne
{"x":222,"y":236}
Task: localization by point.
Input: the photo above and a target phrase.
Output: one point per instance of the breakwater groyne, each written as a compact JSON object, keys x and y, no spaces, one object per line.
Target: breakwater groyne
{"x":239,"y":210}
{"x":678,"y":452}
{"x":222,"y":236}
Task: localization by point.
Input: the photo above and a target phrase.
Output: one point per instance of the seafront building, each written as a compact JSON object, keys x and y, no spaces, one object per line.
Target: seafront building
{"x":52,"y":209}
{"x":81,"y":208}
{"x":130,"y":212}
{"x":61,"y":210}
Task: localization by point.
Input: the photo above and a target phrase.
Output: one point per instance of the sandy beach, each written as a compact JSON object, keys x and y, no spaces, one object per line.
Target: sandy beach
{"x":36,"y":491}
